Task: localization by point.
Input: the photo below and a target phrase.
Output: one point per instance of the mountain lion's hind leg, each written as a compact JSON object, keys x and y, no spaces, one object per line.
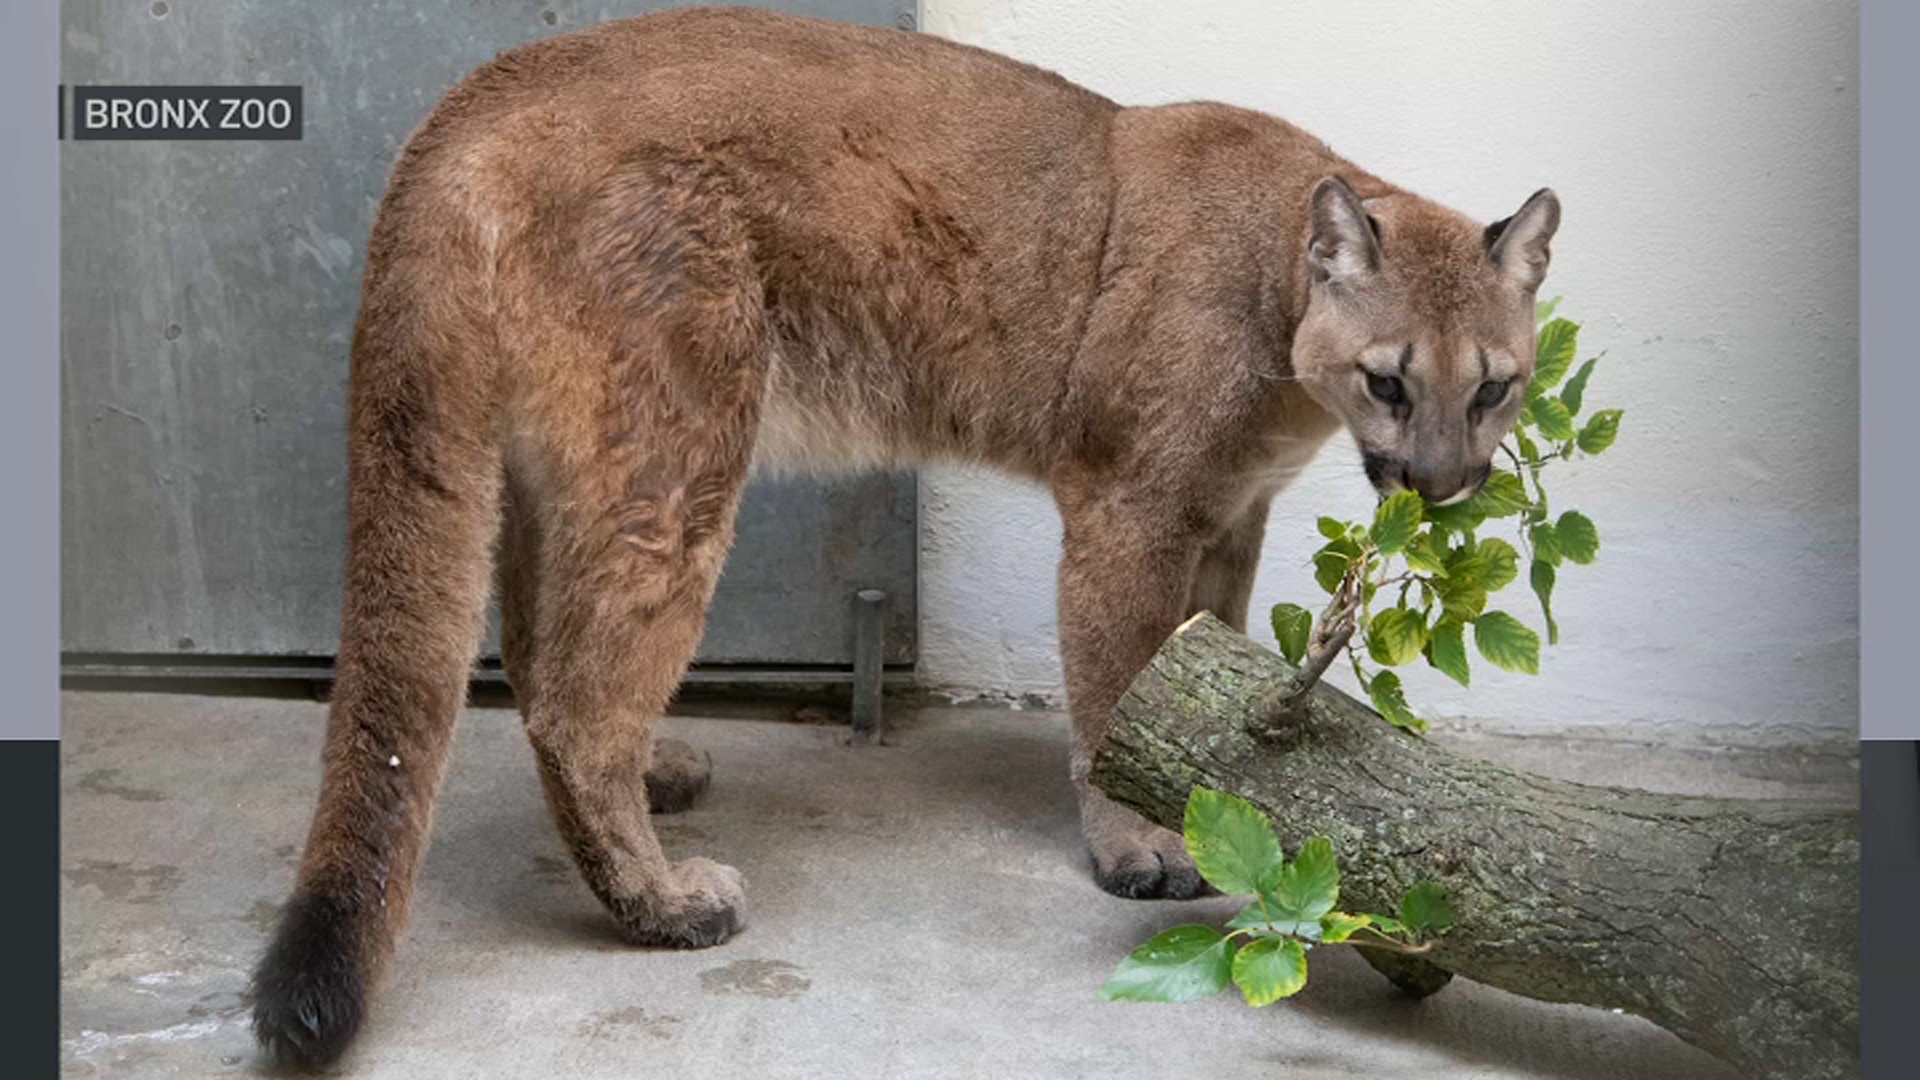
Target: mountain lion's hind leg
{"x":622,"y":597}
{"x":679,"y":773}
{"x":636,"y":445}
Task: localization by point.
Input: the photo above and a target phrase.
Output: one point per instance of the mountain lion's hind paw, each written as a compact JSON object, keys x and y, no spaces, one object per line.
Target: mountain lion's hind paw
{"x":707,"y":905}
{"x":679,"y":775}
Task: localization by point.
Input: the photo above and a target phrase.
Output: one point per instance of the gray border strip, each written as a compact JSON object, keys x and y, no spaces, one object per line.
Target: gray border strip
{"x":1889,"y":885}
{"x":30,"y":539}
{"x":29,"y":410}
{"x":30,"y":906}
{"x":1889,"y":770}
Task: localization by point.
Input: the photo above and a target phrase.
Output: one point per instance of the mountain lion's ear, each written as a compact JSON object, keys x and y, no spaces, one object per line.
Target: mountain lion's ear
{"x":1342,"y":247}
{"x":1517,"y":246}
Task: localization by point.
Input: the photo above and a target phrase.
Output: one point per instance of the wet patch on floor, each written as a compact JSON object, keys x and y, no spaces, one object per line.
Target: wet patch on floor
{"x":106,"y":782}
{"x":758,"y":978}
{"x":123,"y":881}
{"x":632,"y":1020}
{"x":261,"y":916}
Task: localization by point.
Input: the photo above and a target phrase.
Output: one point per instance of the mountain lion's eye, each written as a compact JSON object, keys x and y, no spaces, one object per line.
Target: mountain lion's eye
{"x":1387,"y":388}
{"x":1491,"y":394}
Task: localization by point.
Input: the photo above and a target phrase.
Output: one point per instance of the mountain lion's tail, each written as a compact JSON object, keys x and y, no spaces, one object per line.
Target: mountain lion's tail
{"x":422,"y":508}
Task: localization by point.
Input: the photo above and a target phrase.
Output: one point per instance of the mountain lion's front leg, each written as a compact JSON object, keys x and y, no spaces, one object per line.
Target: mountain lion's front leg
{"x":1223,"y":583}
{"x":1125,"y":578}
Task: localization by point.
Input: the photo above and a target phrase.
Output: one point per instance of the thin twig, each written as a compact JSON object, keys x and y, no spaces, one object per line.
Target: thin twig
{"x":1331,"y":631}
{"x":1390,"y":946}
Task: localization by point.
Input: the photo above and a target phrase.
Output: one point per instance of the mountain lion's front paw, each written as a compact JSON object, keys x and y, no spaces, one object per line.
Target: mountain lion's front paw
{"x":704,"y":903}
{"x":1152,"y":865}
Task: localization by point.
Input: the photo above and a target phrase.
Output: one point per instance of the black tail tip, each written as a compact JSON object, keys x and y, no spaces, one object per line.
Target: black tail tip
{"x":309,"y":991}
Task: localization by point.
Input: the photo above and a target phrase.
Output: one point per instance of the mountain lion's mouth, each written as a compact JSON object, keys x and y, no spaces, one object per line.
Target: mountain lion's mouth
{"x":1386,"y":474}
{"x":1389,"y":475}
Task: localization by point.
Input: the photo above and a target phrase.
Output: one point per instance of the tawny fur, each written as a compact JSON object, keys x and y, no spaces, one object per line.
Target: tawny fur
{"x":616,"y":269}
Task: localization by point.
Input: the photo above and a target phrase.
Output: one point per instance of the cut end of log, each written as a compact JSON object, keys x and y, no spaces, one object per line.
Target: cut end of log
{"x":1194,"y":618}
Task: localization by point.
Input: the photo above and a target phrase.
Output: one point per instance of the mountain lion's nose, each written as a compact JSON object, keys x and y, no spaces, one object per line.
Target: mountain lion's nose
{"x":1444,"y":487}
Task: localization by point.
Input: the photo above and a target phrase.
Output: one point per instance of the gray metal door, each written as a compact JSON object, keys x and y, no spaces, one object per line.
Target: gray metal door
{"x":207,"y":298}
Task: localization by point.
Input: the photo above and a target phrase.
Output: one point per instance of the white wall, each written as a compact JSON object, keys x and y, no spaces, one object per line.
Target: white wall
{"x":1705,"y":154}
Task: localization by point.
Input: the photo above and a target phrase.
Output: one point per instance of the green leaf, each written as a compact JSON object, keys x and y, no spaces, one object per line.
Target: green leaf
{"x":1576,"y":388}
{"x":1546,"y":545}
{"x":1389,"y":701}
{"x":1231,"y":842}
{"x":1496,"y":563}
{"x":1251,"y":917}
{"x":1447,"y":651}
{"x":1330,"y":569}
{"x":1460,"y":561}
{"x":1267,"y":970}
{"x":1396,"y":635}
{"x":1543,"y":310}
{"x":1552,"y":355}
{"x":1260,"y":916}
{"x":1180,"y":964}
{"x":1387,"y":924}
{"x":1330,"y":528}
{"x":1462,"y":598}
{"x":1425,"y":909}
{"x":1292,"y":625}
{"x":1507,"y":642}
{"x":1396,"y":521}
{"x":1463,"y":593}
{"x":1458,"y":518}
{"x":1336,"y":926}
{"x":1310,"y":885}
{"x":1553,"y":418}
{"x":1347,"y":546}
{"x":1600,"y":431}
{"x":1542,"y":577}
{"x":1424,"y":553}
{"x":1579,"y":539}
{"x":1503,"y":495}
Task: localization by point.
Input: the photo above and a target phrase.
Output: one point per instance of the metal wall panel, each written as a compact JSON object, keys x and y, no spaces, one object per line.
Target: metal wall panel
{"x":208,"y":296}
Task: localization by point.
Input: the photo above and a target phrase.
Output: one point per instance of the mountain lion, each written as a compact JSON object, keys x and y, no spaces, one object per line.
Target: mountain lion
{"x":616,"y":269}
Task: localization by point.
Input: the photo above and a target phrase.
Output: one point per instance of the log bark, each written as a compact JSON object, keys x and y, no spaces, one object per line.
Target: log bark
{"x":1731,"y":923}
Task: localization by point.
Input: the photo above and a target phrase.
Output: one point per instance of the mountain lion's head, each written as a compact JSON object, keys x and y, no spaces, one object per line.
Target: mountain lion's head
{"x":1419,"y":331}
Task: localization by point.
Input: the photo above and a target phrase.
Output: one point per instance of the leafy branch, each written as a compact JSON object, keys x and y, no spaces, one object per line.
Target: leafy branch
{"x":1411,"y":584}
{"x":1263,"y":949}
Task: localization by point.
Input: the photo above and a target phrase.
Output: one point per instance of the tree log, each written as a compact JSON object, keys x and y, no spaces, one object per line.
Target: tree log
{"x":1729,"y":922}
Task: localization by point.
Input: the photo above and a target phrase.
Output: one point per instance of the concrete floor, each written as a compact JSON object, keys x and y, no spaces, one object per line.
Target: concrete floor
{"x":918,"y":909}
